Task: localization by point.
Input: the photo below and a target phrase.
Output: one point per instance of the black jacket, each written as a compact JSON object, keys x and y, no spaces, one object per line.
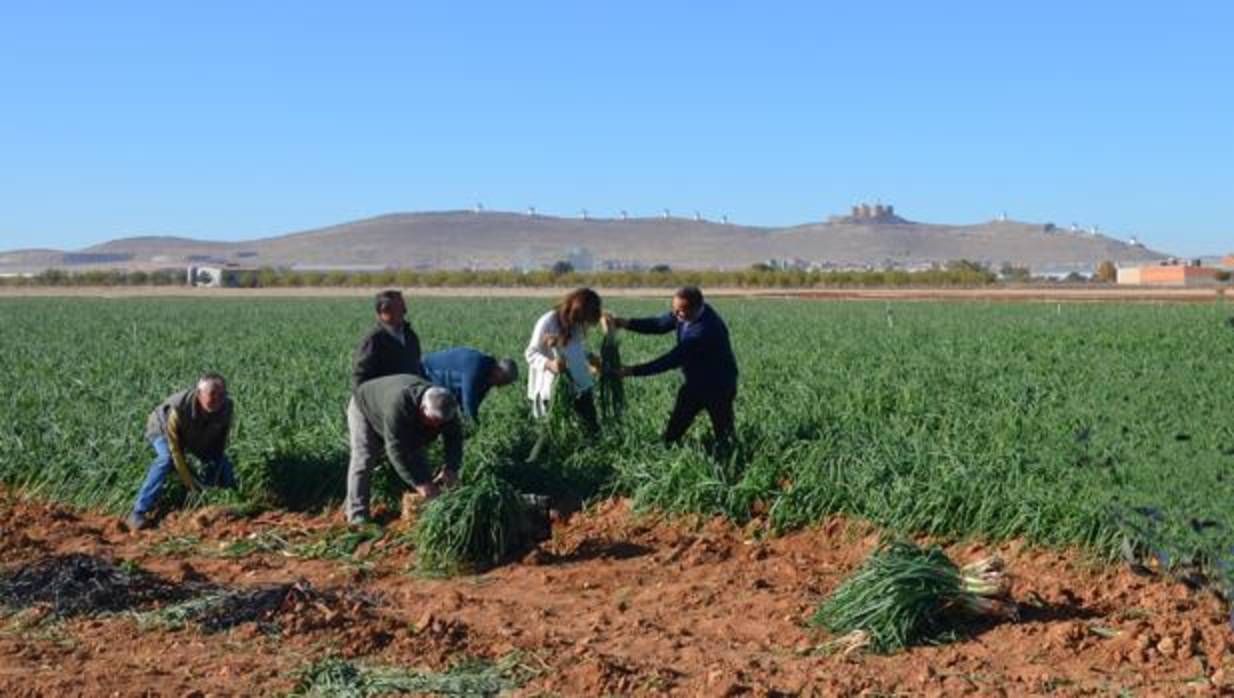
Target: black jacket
{"x":703,"y":352}
{"x":380,"y":354}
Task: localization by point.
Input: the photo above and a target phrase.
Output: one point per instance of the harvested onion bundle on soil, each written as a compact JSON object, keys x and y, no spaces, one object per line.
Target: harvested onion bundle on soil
{"x":906,"y":595}
{"x":472,"y":526}
{"x":611,"y":390}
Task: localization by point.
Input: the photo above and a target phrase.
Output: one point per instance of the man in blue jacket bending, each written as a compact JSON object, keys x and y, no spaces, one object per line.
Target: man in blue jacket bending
{"x":705,"y":357}
{"x":469,"y":374}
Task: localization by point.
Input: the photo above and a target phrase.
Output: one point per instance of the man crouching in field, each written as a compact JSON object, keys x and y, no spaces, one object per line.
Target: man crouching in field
{"x":195,"y":421}
{"x":405,"y":413}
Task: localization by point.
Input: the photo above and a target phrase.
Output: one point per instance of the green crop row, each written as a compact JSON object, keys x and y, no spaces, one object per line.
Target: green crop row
{"x":1061,"y":424}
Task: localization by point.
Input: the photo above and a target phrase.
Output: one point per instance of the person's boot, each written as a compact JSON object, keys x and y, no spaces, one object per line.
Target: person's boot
{"x":138,"y":522}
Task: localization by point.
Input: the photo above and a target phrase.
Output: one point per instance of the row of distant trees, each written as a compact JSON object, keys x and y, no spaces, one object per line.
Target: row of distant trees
{"x":758,"y":276}
{"x":98,"y":277}
{"x":955,"y":274}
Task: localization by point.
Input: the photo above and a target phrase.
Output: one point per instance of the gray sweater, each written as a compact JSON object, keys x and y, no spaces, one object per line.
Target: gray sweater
{"x":391,"y":406}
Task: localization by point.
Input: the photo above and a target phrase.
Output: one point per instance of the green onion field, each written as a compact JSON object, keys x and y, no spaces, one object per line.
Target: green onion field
{"x":1107,"y":427}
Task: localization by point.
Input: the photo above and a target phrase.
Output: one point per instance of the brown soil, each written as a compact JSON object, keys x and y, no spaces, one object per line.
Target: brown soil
{"x":615,"y":603}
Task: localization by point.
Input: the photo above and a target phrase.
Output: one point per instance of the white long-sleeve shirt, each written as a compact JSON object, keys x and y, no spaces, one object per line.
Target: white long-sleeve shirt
{"x":538,"y":354}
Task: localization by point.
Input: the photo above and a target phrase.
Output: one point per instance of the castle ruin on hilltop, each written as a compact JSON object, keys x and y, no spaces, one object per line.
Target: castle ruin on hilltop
{"x":869,"y":213}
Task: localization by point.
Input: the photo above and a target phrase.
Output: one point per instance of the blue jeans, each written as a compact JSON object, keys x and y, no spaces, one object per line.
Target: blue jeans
{"x":219,"y":473}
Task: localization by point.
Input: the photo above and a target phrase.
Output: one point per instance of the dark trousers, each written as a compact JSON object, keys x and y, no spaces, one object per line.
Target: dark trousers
{"x":691,"y":401}
{"x":585,"y":408}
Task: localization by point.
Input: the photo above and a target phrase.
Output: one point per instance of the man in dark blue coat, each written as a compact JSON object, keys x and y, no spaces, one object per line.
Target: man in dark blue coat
{"x":469,"y":373}
{"x":705,"y":357}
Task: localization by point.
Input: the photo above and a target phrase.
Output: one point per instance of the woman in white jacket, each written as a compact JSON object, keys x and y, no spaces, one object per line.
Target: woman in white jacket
{"x":558,"y":349}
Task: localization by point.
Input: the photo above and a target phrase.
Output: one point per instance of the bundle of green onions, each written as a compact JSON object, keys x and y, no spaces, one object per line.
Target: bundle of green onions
{"x":906,"y":595}
{"x":559,"y":418}
{"x":611,"y":390}
{"x":471,"y":526}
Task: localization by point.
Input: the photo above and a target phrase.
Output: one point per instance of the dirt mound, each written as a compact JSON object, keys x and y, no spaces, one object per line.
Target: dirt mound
{"x":282,"y":608}
{"x":78,"y":584}
{"x":616,"y":602}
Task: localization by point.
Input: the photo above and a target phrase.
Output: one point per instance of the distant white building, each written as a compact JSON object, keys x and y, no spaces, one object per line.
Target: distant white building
{"x":523,"y":260}
{"x":204,"y":276}
{"x":793,"y":263}
{"x":622,"y":265}
{"x":581,"y":259}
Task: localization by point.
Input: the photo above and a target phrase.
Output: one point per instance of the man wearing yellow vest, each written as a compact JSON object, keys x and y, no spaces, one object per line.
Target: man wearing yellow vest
{"x":194,"y":421}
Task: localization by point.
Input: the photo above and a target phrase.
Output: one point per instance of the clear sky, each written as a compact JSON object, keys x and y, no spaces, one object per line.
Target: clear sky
{"x":231,"y":120}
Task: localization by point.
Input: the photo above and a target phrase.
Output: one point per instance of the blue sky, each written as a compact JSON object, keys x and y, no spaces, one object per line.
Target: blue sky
{"x":229,"y":120}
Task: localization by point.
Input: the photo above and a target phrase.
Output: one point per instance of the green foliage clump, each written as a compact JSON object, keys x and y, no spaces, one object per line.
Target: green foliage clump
{"x":560,"y":428}
{"x":471,"y":526}
{"x":333,"y":677}
{"x":610,"y":389}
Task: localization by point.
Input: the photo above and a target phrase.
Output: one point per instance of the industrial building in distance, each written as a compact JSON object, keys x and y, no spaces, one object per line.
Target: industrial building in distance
{"x":1173,"y":272}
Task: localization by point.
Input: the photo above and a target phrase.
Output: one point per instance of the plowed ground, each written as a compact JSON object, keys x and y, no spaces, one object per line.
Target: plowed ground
{"x":615,"y":603}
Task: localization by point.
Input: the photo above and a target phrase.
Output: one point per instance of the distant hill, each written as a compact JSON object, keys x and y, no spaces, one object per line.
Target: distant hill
{"x":501,"y":240}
